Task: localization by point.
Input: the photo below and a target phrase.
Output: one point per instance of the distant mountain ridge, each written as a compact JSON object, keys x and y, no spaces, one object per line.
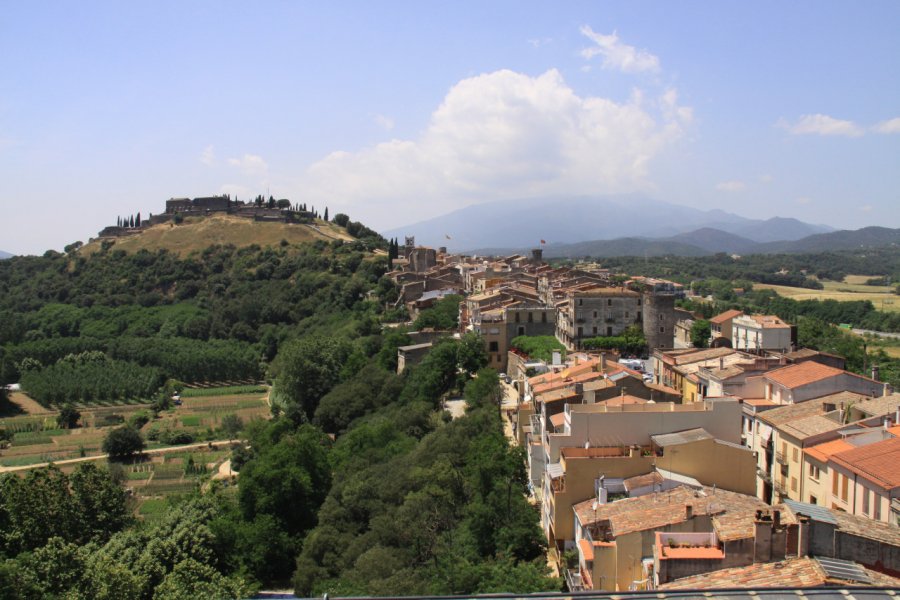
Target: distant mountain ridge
{"x":569,"y":220}
{"x":5,"y":255}
{"x":709,"y":241}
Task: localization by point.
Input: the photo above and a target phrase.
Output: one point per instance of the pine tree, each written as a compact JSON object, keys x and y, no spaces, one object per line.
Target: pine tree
{"x":137,"y":219}
{"x":131,"y":222}
{"x":326,"y":214}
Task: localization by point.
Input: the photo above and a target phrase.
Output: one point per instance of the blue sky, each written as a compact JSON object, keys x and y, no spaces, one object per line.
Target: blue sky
{"x":398,"y":111}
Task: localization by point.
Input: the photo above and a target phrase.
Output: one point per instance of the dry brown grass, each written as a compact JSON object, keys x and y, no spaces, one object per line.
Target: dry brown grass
{"x":880,"y":296}
{"x":199,"y":233}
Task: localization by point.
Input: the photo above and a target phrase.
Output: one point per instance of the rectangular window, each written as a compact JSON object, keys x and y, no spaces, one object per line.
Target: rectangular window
{"x":530,"y":318}
{"x":517,"y":316}
{"x":626,"y":314}
{"x":543,"y":317}
{"x":595,"y":331}
{"x":845,"y":487}
{"x":834,"y":483}
{"x":813,"y":500}
{"x":793,"y":484}
{"x":662,"y":329}
{"x":609,"y":301}
{"x":865,"y":501}
{"x":639,"y":315}
{"x":796,"y":455}
{"x":609,"y":331}
{"x":595,"y":314}
{"x":493,"y":346}
{"x":814,"y":472}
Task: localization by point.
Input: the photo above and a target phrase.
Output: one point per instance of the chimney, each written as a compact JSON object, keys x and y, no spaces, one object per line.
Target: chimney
{"x":762,"y":539}
{"x":721,"y":362}
{"x":875,"y":372}
{"x":803,"y":536}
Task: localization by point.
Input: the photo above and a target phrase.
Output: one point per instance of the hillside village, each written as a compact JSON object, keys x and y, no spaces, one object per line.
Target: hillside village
{"x":747,"y":460}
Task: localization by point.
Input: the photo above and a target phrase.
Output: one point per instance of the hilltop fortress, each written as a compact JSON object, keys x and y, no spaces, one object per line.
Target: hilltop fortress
{"x":260,"y":209}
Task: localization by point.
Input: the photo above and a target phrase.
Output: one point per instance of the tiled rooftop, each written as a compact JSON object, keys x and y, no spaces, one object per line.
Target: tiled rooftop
{"x":824,"y":451}
{"x":793,"y":572}
{"x":878,"y":462}
{"x":794,"y":376}
{"x":816,"y":406}
{"x":659,"y":509}
{"x":722,"y":317}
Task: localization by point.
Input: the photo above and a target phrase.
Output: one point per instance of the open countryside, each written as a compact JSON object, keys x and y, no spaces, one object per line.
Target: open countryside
{"x":852,"y":288}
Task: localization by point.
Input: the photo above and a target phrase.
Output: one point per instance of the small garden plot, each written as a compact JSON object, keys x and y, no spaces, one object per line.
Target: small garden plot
{"x":223,"y":391}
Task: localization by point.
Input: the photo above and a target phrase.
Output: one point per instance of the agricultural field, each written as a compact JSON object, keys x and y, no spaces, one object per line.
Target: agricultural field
{"x":153,"y":481}
{"x":853,"y":288}
{"x":38,"y":439}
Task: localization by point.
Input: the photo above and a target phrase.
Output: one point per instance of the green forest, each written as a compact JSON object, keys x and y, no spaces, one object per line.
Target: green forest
{"x":359,"y":483}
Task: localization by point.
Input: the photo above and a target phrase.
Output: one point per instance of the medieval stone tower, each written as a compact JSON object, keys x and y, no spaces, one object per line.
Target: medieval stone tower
{"x":658,"y":317}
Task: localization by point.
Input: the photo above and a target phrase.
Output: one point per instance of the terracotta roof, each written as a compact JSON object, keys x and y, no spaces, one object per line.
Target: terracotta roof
{"x":805,"y":373}
{"x":722,"y":317}
{"x":587,"y":549}
{"x":759,"y":402}
{"x":626,"y":399}
{"x":793,"y":572}
{"x":701,"y":355}
{"x":640,"y":481}
{"x":878,"y":462}
{"x":822,"y":452}
{"x":768,"y":321}
{"x":660,"y":509}
{"x":792,"y":412}
{"x":810,"y":426}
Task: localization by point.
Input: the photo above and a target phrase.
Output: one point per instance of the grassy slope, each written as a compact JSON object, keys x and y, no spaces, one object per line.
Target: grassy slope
{"x":198,"y":233}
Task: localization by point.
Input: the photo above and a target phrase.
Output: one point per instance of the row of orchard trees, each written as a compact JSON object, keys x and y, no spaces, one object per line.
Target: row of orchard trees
{"x":89,"y":377}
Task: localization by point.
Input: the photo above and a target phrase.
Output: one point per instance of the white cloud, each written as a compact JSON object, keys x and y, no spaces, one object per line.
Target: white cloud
{"x":617,"y":55}
{"x":501,"y":135}
{"x":731,"y":186}
{"x":823,"y":125}
{"x":208,"y":156}
{"x":889,"y":126}
{"x":384,"y":122}
{"x":250,"y":164}
{"x":766,"y":178}
{"x":538,"y":42}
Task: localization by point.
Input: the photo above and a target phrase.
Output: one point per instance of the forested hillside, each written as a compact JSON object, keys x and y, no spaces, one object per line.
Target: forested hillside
{"x":398,"y":499}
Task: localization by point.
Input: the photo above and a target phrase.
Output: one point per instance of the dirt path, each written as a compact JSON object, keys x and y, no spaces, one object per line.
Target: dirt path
{"x":224,"y":471}
{"x":102,"y":456}
{"x":29,"y":405}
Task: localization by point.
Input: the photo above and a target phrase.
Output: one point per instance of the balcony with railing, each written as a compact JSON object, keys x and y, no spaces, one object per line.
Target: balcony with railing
{"x":574,"y":581}
{"x":779,"y":487}
{"x":536,"y":429}
{"x":780,"y":458}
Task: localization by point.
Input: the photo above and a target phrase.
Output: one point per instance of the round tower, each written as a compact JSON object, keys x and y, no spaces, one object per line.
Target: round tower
{"x":658,"y":319}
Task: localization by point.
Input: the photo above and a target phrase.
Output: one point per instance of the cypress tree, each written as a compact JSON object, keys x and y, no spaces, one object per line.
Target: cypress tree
{"x":326,"y":214}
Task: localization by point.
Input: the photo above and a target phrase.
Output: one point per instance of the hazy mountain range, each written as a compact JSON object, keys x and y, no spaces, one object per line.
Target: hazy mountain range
{"x":627,"y":225}
{"x":4,"y":255}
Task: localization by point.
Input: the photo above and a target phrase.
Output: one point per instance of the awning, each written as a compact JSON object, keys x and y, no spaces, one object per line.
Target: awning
{"x":555,"y":470}
{"x":587,"y":549}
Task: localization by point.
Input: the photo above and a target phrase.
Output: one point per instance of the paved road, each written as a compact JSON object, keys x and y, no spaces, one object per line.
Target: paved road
{"x":70,"y":461}
{"x":884,"y":334}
